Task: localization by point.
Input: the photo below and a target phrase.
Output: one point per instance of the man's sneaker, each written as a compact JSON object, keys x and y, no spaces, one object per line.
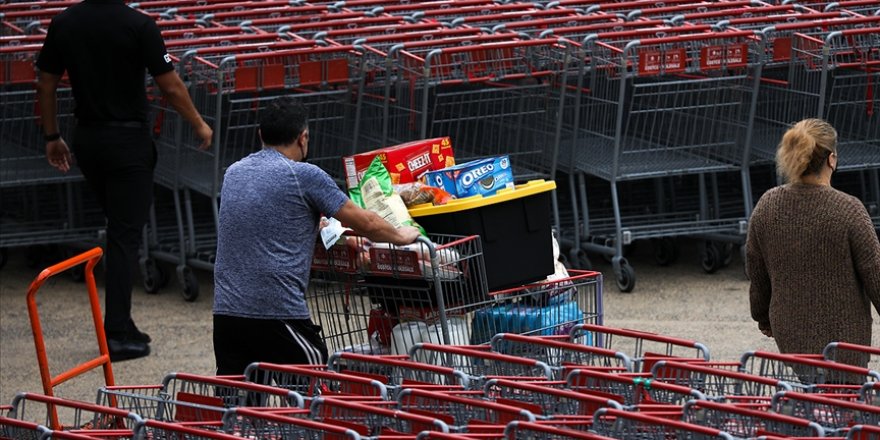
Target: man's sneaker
{"x":122,"y":350}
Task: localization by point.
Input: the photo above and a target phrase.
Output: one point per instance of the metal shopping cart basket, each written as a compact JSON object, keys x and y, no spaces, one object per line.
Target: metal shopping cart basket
{"x":833,"y":414}
{"x":746,"y":422}
{"x":317,"y":380}
{"x":365,"y":294}
{"x":630,"y":425}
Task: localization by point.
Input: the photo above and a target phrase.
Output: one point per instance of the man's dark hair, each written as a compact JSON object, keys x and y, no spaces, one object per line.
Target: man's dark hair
{"x":282,"y":120}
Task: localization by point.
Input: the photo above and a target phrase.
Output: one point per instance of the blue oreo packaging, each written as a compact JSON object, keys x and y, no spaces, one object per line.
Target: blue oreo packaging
{"x":478,"y":177}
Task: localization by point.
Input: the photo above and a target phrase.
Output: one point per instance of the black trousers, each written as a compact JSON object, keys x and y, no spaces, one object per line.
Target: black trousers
{"x":118,"y":164}
{"x":238,"y":342}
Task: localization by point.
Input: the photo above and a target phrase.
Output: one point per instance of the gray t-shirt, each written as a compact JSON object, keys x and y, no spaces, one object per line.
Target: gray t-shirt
{"x":269,"y":212}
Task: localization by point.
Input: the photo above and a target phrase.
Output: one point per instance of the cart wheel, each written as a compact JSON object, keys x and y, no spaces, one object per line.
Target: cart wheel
{"x":626,"y":279}
{"x":665,"y":251}
{"x":190,"y":284}
{"x":154,"y":276}
{"x":4,"y":257}
{"x":711,"y":258}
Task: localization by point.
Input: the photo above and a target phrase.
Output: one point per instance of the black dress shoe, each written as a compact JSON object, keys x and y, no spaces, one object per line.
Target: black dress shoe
{"x":140,"y":336}
{"x":123,"y":350}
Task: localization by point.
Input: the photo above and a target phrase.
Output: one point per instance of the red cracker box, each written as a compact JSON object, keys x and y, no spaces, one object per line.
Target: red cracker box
{"x":405,"y":162}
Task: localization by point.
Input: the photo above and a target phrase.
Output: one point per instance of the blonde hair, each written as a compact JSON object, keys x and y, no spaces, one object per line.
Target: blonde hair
{"x":805,"y":148}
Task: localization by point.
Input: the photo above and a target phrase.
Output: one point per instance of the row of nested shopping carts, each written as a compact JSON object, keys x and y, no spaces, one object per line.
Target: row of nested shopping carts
{"x":597,"y":394}
{"x":666,"y":114}
{"x":527,"y":370}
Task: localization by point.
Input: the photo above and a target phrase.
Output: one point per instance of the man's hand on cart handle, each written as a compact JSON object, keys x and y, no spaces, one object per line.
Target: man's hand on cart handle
{"x":59,"y":155}
{"x":407,"y":235}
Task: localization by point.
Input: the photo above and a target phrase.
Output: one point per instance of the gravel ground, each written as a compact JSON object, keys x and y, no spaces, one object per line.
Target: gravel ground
{"x":679,"y":300}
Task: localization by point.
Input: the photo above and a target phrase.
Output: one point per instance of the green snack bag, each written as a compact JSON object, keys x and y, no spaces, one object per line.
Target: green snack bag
{"x":376,"y":193}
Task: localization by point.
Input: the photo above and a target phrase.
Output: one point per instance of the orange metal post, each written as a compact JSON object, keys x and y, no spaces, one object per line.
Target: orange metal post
{"x":90,"y":258}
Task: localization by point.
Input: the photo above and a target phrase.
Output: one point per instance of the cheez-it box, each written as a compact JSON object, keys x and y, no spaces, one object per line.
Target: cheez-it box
{"x":405,"y":162}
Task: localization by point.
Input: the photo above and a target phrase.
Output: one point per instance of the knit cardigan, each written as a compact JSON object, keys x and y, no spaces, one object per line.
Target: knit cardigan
{"x":813,"y":259}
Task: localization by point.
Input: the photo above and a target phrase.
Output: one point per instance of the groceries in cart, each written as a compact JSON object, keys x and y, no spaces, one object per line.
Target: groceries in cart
{"x":355,"y":254}
{"x":418,"y":193}
{"x":375,"y":192}
{"x":406,"y":162}
{"x":479,"y":177}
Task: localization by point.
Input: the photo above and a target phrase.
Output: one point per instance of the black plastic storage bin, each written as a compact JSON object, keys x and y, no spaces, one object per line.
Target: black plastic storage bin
{"x":514,"y":226}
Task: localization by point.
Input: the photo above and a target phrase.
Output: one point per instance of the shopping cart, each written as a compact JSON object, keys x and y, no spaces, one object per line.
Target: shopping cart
{"x":793,"y":85}
{"x":635,"y":391}
{"x":30,"y":20}
{"x":79,"y":417}
{"x":561,"y":355}
{"x":834,"y":72}
{"x":545,"y":309}
{"x":159,"y":430}
{"x":643,"y":348}
{"x":517,"y":430}
{"x":491,"y":99}
{"x":316,"y":380}
{"x":479,"y":363}
{"x":865,"y":7}
{"x":437,"y":435}
{"x":463,"y":414}
{"x":377,"y":298}
{"x":20,"y":429}
{"x":722,"y":384}
{"x":23,"y":430}
{"x":230,"y":86}
{"x":624,"y":424}
{"x":230,"y":393}
{"x":853,"y":354}
{"x":807,"y":373}
{"x":41,"y":205}
{"x":748,"y":423}
{"x":863,"y":432}
{"x":253,"y":423}
{"x":196,"y":399}
{"x":834,"y":415}
{"x":374,"y":420}
{"x":548,"y":401}
{"x":398,"y":372}
{"x":643,"y":109}
{"x":496,"y":21}
{"x":870,"y":393}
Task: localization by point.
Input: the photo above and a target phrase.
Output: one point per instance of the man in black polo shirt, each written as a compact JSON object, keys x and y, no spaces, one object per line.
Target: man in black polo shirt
{"x":106,"y":47}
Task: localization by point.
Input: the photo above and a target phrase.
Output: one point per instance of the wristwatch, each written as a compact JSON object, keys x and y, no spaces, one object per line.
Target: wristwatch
{"x":52,"y":137}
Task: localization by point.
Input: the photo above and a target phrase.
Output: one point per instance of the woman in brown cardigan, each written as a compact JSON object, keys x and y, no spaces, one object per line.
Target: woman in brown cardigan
{"x":813,"y":257}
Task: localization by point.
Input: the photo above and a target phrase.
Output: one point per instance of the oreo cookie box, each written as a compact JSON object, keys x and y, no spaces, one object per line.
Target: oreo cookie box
{"x":479,"y":177}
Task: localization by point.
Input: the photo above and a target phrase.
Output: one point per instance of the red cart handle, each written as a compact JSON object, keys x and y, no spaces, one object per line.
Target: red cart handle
{"x":565,"y":345}
{"x":696,"y":405}
{"x":643,"y":335}
{"x":616,"y":413}
{"x":718,"y":372}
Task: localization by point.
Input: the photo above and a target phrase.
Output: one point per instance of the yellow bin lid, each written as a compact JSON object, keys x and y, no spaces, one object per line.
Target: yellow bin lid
{"x":503,"y":195}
